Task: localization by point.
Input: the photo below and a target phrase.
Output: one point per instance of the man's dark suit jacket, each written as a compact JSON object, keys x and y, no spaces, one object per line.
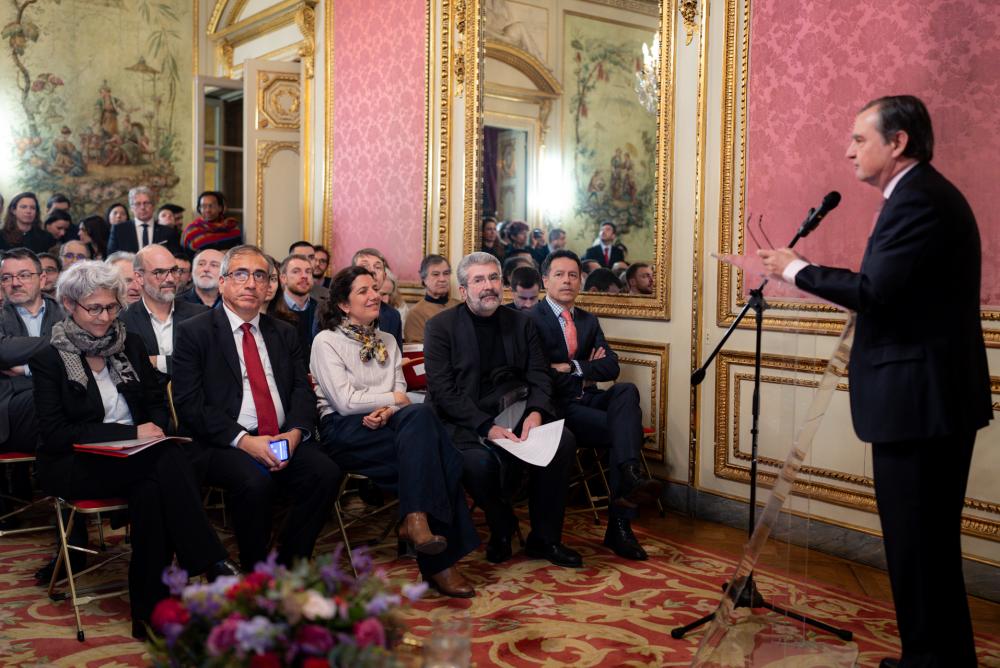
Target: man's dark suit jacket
{"x":12,"y":325}
{"x":14,"y":351}
{"x":208,"y":383}
{"x":72,"y":414}
{"x":123,"y":238}
{"x":191,"y":297}
{"x":451,"y":359}
{"x":136,"y":319}
{"x":589,"y":337}
{"x":918,"y":366}
{"x":595,"y":252}
{"x":390,"y":322}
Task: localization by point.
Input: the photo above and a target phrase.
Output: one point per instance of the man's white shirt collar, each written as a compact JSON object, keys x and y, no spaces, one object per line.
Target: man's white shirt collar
{"x":895,"y":181}
{"x":235,"y":321}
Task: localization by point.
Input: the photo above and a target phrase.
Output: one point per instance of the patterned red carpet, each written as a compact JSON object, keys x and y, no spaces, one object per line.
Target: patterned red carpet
{"x":527,"y":613}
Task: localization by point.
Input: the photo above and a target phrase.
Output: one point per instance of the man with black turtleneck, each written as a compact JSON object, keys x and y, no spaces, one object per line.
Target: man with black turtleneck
{"x":480,"y":359}
{"x":435,"y":274}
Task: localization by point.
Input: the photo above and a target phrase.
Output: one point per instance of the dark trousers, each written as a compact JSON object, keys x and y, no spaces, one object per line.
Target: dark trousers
{"x":609,"y":419}
{"x":165,"y":509}
{"x":491,"y":474}
{"x":23,"y":437}
{"x":310,"y":479}
{"x":920,"y":490}
{"x":413,"y":458}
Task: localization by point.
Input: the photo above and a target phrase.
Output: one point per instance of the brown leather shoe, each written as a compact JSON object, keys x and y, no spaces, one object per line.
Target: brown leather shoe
{"x":416,"y":531}
{"x":451,"y":583}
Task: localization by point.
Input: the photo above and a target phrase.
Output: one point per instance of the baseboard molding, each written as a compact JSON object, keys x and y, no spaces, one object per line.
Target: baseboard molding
{"x":981,"y":580}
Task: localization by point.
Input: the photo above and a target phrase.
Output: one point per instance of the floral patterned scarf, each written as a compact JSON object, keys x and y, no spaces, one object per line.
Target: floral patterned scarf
{"x":372,"y":347}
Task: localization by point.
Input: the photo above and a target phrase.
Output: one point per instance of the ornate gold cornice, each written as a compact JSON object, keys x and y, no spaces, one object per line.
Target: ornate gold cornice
{"x":526,"y":64}
{"x":265,"y":21}
{"x":279,"y":101}
{"x":305,"y":20}
{"x":689,"y":15}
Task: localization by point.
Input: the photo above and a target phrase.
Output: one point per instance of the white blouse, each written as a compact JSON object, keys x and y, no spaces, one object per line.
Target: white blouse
{"x":346,"y":385}
{"x":115,"y":407}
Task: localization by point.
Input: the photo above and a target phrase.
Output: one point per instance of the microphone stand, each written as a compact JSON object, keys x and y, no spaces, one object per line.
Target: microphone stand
{"x":751,"y":596}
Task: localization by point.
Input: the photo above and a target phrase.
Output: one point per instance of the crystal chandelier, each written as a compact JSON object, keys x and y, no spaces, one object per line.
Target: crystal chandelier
{"x":647,"y":78}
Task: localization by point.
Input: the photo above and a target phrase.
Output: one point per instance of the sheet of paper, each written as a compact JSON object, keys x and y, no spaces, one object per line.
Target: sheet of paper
{"x":540,"y":446}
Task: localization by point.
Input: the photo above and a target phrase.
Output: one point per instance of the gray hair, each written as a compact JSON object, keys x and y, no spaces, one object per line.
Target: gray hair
{"x":86,"y":277}
{"x":245,"y":249}
{"x":428,"y":262}
{"x":474,"y":259}
{"x":373,"y":252}
{"x":119,"y":256}
{"x":140,"y":190}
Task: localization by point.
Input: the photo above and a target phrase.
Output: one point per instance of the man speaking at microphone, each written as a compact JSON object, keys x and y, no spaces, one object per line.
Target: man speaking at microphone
{"x":919,"y":381}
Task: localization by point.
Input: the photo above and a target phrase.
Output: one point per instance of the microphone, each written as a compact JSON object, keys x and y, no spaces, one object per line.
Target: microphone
{"x":828,"y":204}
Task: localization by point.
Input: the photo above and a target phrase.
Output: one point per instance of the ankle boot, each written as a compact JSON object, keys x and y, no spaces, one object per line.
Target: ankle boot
{"x":416,"y":531}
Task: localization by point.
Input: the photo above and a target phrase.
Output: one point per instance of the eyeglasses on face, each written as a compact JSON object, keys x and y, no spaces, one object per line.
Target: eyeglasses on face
{"x":159,"y":274}
{"x":76,"y":256}
{"x":51,"y":270}
{"x":94,"y":310}
{"x":23,"y":276}
{"x":243,"y":275}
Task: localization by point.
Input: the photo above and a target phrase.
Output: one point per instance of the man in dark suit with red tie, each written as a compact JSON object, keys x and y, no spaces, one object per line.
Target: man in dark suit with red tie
{"x":919,"y":381}
{"x":240,"y":382}
{"x":580,"y":357}
{"x":606,"y":251}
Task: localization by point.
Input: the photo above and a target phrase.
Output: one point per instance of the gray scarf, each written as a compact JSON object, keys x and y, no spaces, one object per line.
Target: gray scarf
{"x":72,"y":341}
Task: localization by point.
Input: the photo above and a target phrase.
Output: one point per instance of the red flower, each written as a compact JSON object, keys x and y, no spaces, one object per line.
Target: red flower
{"x":268,"y":660}
{"x":251,"y":584}
{"x":315,"y":662}
{"x":169,"y":611}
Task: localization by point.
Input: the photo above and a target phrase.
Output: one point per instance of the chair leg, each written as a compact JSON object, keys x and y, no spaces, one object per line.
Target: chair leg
{"x":67,"y":563}
{"x":645,"y":466}
{"x":586,"y":487}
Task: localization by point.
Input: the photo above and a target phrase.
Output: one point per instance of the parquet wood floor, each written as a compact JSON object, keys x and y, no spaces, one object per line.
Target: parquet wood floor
{"x":794,"y":560}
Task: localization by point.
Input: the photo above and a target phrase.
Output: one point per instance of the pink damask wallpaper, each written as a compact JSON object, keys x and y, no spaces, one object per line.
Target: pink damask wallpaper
{"x":814,"y":64}
{"x":379,"y":130}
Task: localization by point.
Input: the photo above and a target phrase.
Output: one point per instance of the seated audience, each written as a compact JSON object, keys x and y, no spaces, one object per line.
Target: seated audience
{"x":273,"y":285}
{"x":165,"y":217}
{"x":295,"y":303}
{"x":514,"y":260}
{"x":178,"y":212}
{"x":51,"y":266}
{"x":57,"y":202}
{"x":73,"y":251}
{"x":56,"y":224}
{"x":602,"y":280}
{"x":321,"y":265}
{"x":240,"y":383}
{"x":580,"y":357}
{"x":22,"y":227}
{"x":525,"y":284}
{"x":557,"y":241}
{"x":211,"y":229}
{"x":143,"y":230}
{"x":184,"y":275}
{"x":205,"y":276}
{"x":155,"y":316}
{"x":639,"y":278}
{"x":116,"y":213}
{"x":482,"y":360}
{"x":308,"y":251}
{"x":539,"y":249}
{"x":392,"y":296}
{"x":93,"y":383}
{"x":589,"y":266}
{"x":605,"y":252}
{"x":491,"y":242}
{"x":94,"y":232}
{"x":125,"y":264}
{"x":517,"y":237}
{"x":389,"y":319}
{"x":435,"y":274}
{"x":369,"y":426}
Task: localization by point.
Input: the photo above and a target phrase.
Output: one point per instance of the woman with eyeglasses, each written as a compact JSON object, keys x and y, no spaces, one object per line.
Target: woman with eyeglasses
{"x":22,"y":226}
{"x":94,"y":383}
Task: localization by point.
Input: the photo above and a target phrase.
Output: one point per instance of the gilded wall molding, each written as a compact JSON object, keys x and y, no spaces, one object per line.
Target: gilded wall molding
{"x":647,"y":7}
{"x":266,"y":150}
{"x":260,"y":23}
{"x":305,"y":21}
{"x":689,"y":16}
{"x":279,"y":101}
{"x":444,"y":126}
{"x":468,"y":72}
{"x":727,"y":419}
{"x":526,"y":64}
{"x":659,"y":375}
{"x":328,"y":93}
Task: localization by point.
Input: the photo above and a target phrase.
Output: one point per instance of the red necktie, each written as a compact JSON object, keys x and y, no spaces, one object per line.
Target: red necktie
{"x":267,"y":418}
{"x":607,"y":257}
{"x":570,"y":332}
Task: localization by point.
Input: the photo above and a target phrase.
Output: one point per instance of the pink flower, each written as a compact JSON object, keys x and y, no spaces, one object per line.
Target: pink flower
{"x":55,"y":81}
{"x":369,"y":632}
{"x":222,"y":637}
{"x":37,"y":85}
{"x":314,"y":639}
{"x":169,"y":611}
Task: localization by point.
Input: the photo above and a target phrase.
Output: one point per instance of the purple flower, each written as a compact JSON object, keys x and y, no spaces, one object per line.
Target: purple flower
{"x":171,"y":632}
{"x":314,"y":639}
{"x":381,"y":603}
{"x":222,"y":637}
{"x":414,"y":591}
{"x":175,"y":579}
{"x":258,"y":634}
{"x":361,"y":561}
{"x":331,"y":572}
{"x":269,"y":567}
{"x":206,"y":600}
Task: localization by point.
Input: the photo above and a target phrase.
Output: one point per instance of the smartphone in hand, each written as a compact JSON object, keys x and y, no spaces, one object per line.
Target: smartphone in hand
{"x":280,"y":449}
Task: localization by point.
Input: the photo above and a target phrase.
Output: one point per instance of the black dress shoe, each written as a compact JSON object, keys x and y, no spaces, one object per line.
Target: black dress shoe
{"x":636,"y":487}
{"x":619,"y":537}
{"x":557,"y":553}
{"x":888,"y":663}
{"x":222,"y":568}
{"x":498,"y":550}
{"x":44,"y":574}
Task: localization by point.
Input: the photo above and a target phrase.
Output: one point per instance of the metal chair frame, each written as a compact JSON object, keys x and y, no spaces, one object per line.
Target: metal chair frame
{"x":7,"y":459}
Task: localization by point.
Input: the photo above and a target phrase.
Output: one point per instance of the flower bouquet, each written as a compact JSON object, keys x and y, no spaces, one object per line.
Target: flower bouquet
{"x":311,"y":615}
